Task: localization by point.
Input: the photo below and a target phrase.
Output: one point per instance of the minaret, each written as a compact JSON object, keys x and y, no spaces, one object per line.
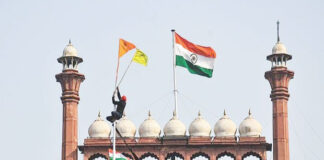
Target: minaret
{"x":278,"y":78}
{"x":70,"y":80}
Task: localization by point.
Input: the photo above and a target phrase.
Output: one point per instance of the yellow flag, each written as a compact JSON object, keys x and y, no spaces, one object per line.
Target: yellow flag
{"x":140,"y":57}
{"x":124,"y":47}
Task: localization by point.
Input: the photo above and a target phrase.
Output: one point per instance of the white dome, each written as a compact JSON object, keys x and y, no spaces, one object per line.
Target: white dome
{"x":126,"y":127}
{"x":279,"y":48}
{"x":149,"y":128}
{"x":99,"y":128}
{"x":199,"y":127}
{"x":225,"y":127}
{"x":69,"y":50}
{"x":174,"y":127}
{"x":250,"y":127}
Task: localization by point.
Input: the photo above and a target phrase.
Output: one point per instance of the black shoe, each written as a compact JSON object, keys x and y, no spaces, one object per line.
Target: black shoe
{"x":111,"y":119}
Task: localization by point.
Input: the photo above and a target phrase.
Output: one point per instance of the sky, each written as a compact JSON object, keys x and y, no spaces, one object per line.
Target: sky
{"x":35,"y":32}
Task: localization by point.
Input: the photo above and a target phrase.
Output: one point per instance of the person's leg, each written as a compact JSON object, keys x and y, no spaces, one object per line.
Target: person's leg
{"x":111,"y":118}
{"x":114,"y":114}
{"x":118,"y":115}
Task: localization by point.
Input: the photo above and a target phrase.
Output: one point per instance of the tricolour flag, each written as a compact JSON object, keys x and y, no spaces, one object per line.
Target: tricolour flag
{"x":124,"y":47}
{"x":118,"y":155}
{"x":140,"y":57}
{"x":197,"y":59}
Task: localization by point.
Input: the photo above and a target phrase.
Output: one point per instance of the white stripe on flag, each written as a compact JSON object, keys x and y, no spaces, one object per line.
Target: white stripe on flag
{"x":202,"y":61}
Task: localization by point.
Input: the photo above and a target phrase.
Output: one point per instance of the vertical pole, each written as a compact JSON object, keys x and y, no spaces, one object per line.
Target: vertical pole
{"x":114,"y":141}
{"x":278,"y":38}
{"x":114,"y":124}
{"x":174,"y":74}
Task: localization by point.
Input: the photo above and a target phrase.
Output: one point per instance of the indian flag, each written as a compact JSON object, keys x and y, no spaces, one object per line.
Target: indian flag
{"x":197,"y":59}
{"x":118,"y":155}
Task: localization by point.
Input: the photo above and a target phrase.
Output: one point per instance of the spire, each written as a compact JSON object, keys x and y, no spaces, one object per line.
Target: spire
{"x":99,"y":114}
{"x":278,"y":38}
{"x":224,"y":112}
{"x":70,"y":43}
{"x":250,"y":112}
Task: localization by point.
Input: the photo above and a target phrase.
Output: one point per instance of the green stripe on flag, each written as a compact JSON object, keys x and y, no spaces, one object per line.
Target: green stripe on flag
{"x":194,"y":69}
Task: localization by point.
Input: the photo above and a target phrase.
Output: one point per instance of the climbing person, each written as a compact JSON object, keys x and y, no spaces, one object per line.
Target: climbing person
{"x":116,"y":115}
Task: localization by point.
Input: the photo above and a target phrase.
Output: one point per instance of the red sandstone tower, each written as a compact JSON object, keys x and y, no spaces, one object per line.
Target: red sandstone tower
{"x":70,"y":80}
{"x":278,"y":78}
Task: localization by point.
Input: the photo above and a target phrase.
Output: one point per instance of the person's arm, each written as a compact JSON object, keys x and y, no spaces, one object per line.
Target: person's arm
{"x":118,"y":93}
{"x":113,"y":100}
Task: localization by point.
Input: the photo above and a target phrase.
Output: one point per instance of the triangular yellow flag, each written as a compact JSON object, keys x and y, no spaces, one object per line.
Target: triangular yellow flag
{"x":140,"y":57}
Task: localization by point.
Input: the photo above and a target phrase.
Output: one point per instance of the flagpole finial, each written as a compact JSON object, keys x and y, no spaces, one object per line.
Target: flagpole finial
{"x":278,"y":38}
{"x":172,"y":30}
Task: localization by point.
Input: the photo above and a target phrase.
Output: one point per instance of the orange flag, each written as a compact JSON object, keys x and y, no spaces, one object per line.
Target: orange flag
{"x":124,"y":47}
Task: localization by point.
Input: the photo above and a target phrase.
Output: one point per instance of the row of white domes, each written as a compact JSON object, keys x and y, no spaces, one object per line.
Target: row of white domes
{"x":224,"y":127}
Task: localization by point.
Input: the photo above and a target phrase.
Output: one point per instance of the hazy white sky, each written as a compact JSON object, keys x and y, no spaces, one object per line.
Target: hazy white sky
{"x":33,"y":34}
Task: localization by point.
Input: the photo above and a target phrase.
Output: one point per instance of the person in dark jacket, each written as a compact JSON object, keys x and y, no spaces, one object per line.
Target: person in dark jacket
{"x":116,"y":115}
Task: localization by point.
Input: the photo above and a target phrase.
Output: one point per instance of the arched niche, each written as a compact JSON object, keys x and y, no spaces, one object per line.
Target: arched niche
{"x":200,"y":156}
{"x":174,"y":156}
{"x":149,"y":156}
{"x":251,"y":156}
{"x":225,"y":156}
{"x":98,"y":156}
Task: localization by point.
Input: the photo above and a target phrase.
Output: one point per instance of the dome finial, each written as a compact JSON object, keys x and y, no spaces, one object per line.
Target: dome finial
{"x":250,"y":112}
{"x":149,"y":113}
{"x":278,"y":38}
{"x":70,"y":43}
{"x":224,"y":112}
{"x":199,"y":114}
{"x":99,"y":114}
{"x":174,"y":113}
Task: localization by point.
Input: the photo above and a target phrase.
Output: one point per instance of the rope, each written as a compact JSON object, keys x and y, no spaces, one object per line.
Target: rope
{"x":309,"y":124}
{"x":300,"y":144}
{"x":128,"y":147}
{"x":193,"y":102}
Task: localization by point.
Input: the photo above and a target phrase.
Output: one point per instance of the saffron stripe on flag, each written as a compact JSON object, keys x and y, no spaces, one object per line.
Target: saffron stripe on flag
{"x":201,"y":50}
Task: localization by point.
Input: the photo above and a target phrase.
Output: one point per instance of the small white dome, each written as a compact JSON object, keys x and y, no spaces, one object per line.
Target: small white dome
{"x":174,"y":127}
{"x":279,"y":48}
{"x":69,"y":50}
{"x":99,"y":128}
{"x":250,"y":127}
{"x":199,"y":127}
{"x":225,"y":127}
{"x":126,"y":127}
{"x":149,"y":128}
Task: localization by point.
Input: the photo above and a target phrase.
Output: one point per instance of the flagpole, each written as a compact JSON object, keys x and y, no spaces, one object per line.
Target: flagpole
{"x":174,"y":74}
{"x":114,"y":124}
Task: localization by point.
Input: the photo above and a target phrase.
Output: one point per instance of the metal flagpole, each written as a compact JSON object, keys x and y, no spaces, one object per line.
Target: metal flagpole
{"x":114,"y":124}
{"x":114,"y":141}
{"x":174,"y":74}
